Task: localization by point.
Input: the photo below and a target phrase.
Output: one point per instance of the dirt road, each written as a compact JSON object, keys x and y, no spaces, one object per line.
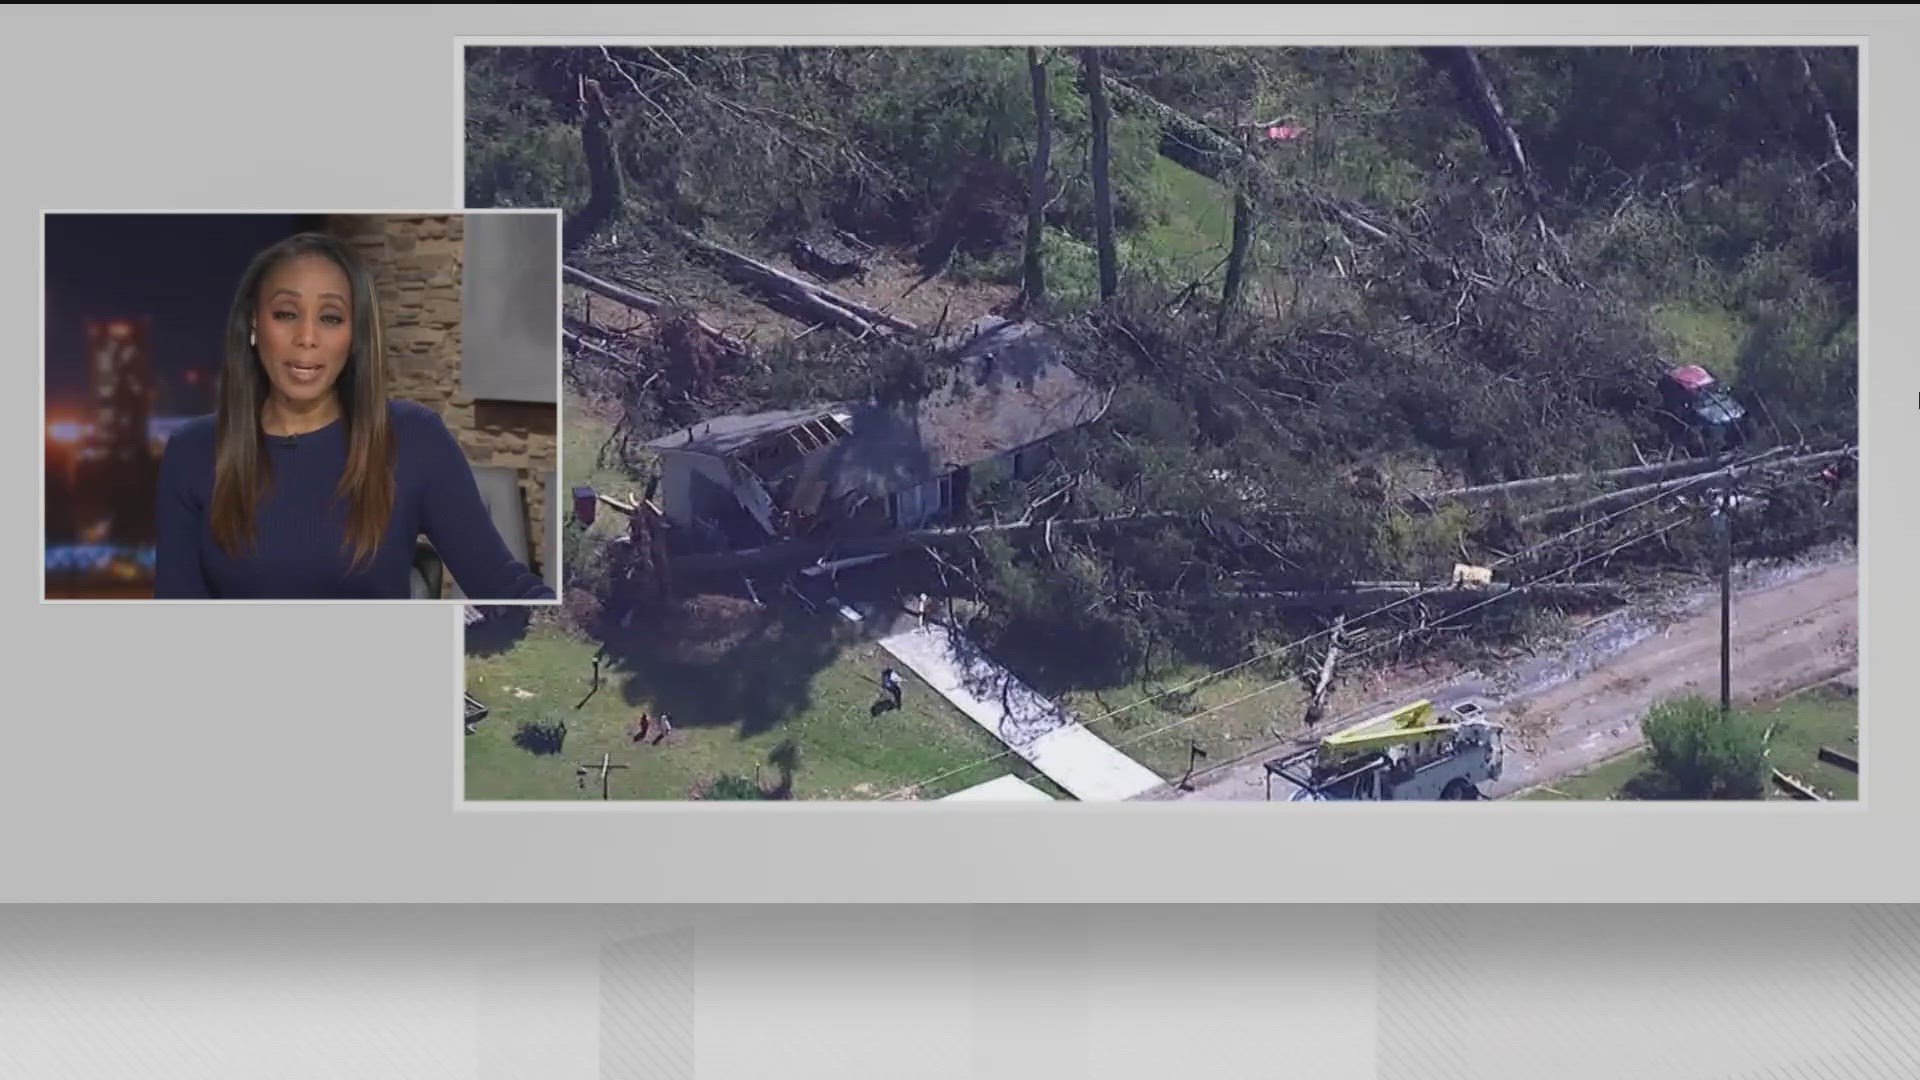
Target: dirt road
{"x":1581,"y":705}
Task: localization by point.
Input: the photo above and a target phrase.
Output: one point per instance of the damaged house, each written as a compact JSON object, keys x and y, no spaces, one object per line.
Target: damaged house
{"x":849,"y":469}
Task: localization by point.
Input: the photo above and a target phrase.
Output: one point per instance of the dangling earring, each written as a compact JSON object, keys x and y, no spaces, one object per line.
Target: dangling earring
{"x":250,"y":342}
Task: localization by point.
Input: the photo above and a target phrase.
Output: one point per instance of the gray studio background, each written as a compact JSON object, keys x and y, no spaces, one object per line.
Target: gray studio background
{"x":951,"y":993}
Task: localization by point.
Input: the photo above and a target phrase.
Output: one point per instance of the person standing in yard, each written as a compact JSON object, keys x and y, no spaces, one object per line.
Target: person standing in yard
{"x":666,"y":729}
{"x":890,"y":682}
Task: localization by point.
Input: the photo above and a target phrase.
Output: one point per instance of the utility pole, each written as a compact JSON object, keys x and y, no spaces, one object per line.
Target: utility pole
{"x":606,"y":766}
{"x":1725,"y":522}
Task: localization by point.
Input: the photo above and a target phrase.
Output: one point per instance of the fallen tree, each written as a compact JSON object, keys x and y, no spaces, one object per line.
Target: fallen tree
{"x":641,"y":301}
{"x":1702,"y":480}
{"x":1480,"y":492}
{"x":598,"y":352}
{"x":843,"y":311}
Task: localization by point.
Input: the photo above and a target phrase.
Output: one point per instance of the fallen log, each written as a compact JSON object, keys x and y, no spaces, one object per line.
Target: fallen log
{"x":1183,"y":139}
{"x":652,"y":305}
{"x":1683,"y":467}
{"x":1795,"y":788}
{"x":782,"y":282}
{"x":807,"y":308}
{"x":1701,"y":480}
{"x":1317,"y":707}
{"x":598,"y":351}
{"x":1834,"y":757}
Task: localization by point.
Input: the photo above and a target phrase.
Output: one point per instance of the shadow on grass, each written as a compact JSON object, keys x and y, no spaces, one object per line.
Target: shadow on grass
{"x":746,"y":668}
{"x":541,"y":738}
{"x":501,"y":630}
{"x":1653,"y":785}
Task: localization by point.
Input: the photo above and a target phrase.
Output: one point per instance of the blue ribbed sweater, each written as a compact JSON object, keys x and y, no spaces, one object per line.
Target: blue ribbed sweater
{"x":300,"y":551}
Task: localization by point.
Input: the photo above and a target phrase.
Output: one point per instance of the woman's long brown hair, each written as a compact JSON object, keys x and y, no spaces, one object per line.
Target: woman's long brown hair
{"x":242,"y":472}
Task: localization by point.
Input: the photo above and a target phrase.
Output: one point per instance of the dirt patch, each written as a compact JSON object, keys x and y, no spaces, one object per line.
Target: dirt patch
{"x":1784,"y":638}
{"x":888,"y":279}
{"x":705,"y":628}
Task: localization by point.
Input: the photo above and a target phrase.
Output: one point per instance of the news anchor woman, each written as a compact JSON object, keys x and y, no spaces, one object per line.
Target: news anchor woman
{"x":308,"y":483}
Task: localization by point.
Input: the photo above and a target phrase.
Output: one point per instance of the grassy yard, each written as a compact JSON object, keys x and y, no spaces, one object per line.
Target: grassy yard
{"x":763,"y":679}
{"x":743,"y":684}
{"x":1158,"y":731}
{"x":1801,"y":724}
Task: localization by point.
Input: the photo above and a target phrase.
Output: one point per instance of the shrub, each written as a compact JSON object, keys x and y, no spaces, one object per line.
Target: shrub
{"x":1699,"y":754}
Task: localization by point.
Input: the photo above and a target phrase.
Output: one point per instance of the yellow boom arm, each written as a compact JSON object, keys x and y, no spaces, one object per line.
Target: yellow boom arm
{"x":1409,"y":723}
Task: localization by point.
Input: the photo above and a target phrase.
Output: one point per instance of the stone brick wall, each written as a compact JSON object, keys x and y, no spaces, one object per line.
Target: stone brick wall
{"x":417,"y":264}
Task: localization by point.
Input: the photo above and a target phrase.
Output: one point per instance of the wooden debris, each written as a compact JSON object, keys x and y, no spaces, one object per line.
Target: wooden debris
{"x":1795,"y":788}
{"x":1317,"y":707}
{"x":1834,"y":757}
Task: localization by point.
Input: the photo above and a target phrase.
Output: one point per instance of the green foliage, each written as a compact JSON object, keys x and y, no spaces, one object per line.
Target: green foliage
{"x":1696,"y":753}
{"x":729,"y":787}
{"x":521,"y":149}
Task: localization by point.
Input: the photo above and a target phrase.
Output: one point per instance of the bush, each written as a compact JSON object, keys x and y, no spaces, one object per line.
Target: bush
{"x":730,"y":787}
{"x":1699,"y":754}
{"x":541,"y":737}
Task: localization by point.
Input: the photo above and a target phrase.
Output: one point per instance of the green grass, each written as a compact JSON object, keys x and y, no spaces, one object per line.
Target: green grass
{"x":1801,"y":724}
{"x":1805,"y":723}
{"x":581,"y":439}
{"x":1155,"y":721}
{"x":1597,"y":784}
{"x":1701,"y":334}
{"x":792,"y":677}
{"x":1197,"y":225}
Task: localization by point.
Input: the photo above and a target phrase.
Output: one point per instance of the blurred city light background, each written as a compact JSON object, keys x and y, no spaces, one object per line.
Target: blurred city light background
{"x":135,"y":310}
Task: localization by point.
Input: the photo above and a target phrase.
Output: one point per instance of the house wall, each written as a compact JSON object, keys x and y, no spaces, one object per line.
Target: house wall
{"x":417,"y":263}
{"x":687,"y":483}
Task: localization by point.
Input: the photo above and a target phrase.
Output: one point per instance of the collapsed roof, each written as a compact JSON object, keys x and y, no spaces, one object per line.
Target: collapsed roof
{"x":1011,"y":388}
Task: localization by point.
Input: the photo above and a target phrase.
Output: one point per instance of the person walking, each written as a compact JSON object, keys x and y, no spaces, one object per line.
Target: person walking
{"x":890,"y":682}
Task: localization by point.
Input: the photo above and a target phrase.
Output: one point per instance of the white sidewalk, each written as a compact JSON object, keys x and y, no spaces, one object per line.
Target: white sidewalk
{"x":1033,"y":727}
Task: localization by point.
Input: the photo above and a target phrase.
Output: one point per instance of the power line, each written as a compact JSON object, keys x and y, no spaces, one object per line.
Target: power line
{"x":1298,"y":642}
{"x":1403,"y":635}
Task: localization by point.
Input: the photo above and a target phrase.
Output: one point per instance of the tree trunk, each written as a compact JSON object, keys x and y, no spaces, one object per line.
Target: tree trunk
{"x":1820,"y":106}
{"x":603,"y":169}
{"x":1033,"y":283}
{"x":1237,"y":254}
{"x":1483,"y":106}
{"x":817,"y":301}
{"x":640,"y":301}
{"x":1182,"y":138}
{"x":1102,"y":187}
